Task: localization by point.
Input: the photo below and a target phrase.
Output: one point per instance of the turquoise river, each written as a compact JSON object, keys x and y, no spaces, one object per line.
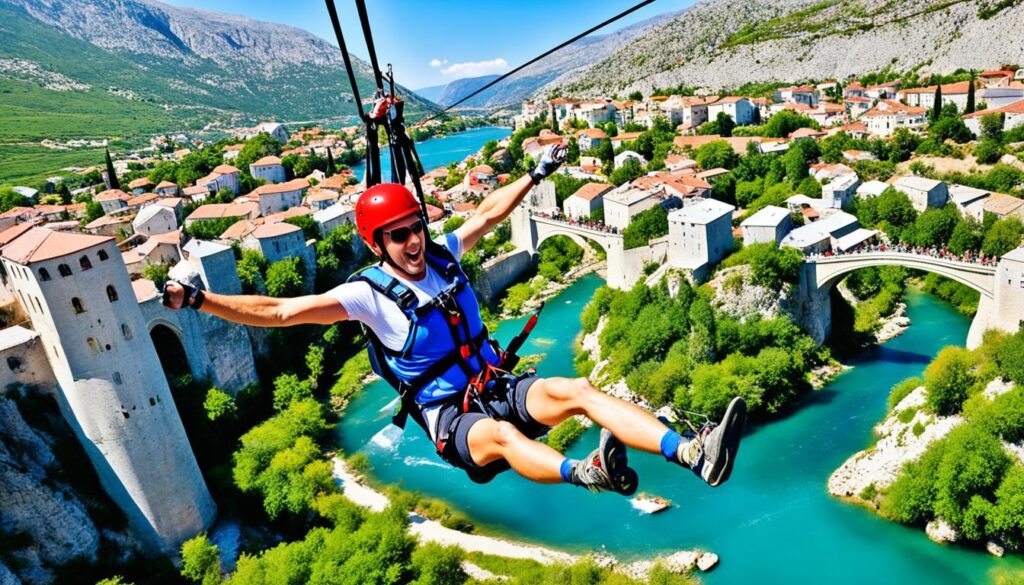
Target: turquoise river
{"x":438,"y":152}
{"x":772,"y":523}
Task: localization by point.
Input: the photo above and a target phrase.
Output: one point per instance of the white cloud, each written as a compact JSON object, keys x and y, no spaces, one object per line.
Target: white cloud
{"x":474,"y":69}
{"x":435,"y":63}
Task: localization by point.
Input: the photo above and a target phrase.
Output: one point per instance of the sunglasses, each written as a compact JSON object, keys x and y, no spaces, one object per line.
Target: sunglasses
{"x":399,"y":235}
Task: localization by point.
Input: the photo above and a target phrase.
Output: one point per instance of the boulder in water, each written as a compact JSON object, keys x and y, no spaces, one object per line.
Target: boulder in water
{"x":942,"y":532}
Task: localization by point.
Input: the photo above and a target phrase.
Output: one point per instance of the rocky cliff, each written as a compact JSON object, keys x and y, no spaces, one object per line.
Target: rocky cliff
{"x":45,"y":510}
{"x":720,"y":44}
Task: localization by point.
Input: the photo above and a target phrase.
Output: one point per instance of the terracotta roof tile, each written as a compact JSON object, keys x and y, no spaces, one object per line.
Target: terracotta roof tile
{"x":42,"y":244}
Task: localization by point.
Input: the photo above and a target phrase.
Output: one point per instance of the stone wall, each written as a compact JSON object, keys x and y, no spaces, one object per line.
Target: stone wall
{"x":499,"y":273}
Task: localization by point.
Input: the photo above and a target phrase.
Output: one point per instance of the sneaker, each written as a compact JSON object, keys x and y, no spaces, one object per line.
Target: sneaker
{"x":606,"y":468}
{"x":717,"y":445}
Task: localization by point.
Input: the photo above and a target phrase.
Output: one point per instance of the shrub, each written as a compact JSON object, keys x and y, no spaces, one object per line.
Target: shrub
{"x":948,"y":379}
{"x":565,"y":434}
{"x":902,"y":390}
{"x":218,"y":404}
{"x":1010,"y":358}
{"x":200,"y":561}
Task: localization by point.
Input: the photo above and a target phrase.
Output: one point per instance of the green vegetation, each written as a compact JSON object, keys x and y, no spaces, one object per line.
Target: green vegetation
{"x":558,"y":255}
{"x":961,"y":296}
{"x":878,"y":291}
{"x":647,"y":225}
{"x":218,"y":403}
{"x":770,"y":266}
{"x":902,"y":390}
{"x":200,"y":561}
{"x":518,"y":294}
{"x":668,"y":349}
{"x":716,"y":154}
{"x":157,"y":273}
{"x":284,"y":278}
{"x":967,"y":478}
{"x":210,"y":229}
{"x":351,"y":376}
{"x":565,"y":434}
{"x":32,"y":164}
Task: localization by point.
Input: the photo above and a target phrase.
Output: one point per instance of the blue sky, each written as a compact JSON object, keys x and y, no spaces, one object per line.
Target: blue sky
{"x":430,"y":42}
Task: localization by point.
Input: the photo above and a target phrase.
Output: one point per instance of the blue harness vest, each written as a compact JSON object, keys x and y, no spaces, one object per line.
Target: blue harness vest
{"x":447,"y":345}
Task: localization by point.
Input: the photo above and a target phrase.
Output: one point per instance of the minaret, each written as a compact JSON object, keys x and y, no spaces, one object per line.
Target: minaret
{"x":77,"y":292}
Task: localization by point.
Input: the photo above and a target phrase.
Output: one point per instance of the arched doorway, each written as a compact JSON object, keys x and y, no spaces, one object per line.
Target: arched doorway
{"x":170,"y":351}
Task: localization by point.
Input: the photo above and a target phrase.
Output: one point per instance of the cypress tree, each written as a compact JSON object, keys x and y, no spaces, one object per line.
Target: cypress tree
{"x":111,"y":175}
{"x":330,"y":163}
{"x":970,"y":95}
{"x":937,"y":106}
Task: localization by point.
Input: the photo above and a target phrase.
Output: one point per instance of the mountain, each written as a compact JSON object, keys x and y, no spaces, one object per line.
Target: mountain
{"x":722,"y":44}
{"x":460,"y":88}
{"x":432,"y":93}
{"x":585,"y":52}
{"x":166,"y":63}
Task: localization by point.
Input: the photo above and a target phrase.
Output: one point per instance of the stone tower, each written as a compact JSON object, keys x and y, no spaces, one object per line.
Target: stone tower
{"x":77,"y":292}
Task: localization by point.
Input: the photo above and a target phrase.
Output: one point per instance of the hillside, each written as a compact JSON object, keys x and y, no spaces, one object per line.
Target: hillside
{"x":75,"y":69}
{"x":720,"y":44}
{"x":578,"y":56}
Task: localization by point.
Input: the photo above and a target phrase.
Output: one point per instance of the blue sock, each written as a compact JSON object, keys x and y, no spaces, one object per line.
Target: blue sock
{"x":566,"y":470}
{"x":670,"y":444}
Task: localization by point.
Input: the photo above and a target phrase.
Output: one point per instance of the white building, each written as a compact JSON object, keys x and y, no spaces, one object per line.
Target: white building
{"x":281,"y":196}
{"x":699,"y":234}
{"x":889,"y":115}
{"x":268,"y":168}
{"x":334,"y":216}
{"x":624,"y":203}
{"x":586,"y":200}
{"x":820,"y":235}
{"x":155,"y":219}
{"x":625,"y":155}
{"x":223,"y":177}
{"x":278,"y":241}
{"x":738,"y":108}
{"x":839,"y":192}
{"x":276,"y":131}
{"x":166,"y":189}
{"x":112,"y":388}
{"x":770,"y":224}
{"x":112,"y":199}
{"x":1013,"y":116}
{"x":871,"y":189}
{"x":968,"y":200}
{"x":922,"y":192}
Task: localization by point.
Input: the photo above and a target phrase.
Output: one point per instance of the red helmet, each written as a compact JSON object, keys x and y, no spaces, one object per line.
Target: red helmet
{"x":380,"y":205}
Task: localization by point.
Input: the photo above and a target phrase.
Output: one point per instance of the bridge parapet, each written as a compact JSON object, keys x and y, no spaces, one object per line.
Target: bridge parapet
{"x":977,"y":275}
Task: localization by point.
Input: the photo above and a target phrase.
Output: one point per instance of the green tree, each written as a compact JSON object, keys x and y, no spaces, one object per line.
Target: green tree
{"x":967,"y":236}
{"x":636,"y":96}
{"x":948,"y":379}
{"x":950,"y":129}
{"x":935,"y":227}
{"x":572,"y":153}
{"x":250,"y":270}
{"x":1010,"y":358}
{"x":310,"y":228}
{"x":111,"y":175}
{"x":438,"y":565}
{"x":284,"y":278}
{"x":716,"y":154}
{"x":200,"y":561}
{"x":331,"y":169}
{"x":702,"y":331}
{"x":630,"y":170}
{"x":972,"y":466}
{"x":937,"y":104}
{"x":992,"y":127}
{"x":336,"y":256}
{"x":969,"y":109}
{"x":289,"y":389}
{"x":218,"y":404}
{"x":772,"y":267}
{"x":453,"y":223}
{"x":647,"y":225}
{"x":157,"y":273}
{"x":783,"y":123}
{"x":93,"y":211}
{"x":256,"y":148}
{"x":988,"y":151}
{"x":1002,"y":237}
{"x":315,"y":364}
{"x":725,"y":124}
{"x":1006,"y":518}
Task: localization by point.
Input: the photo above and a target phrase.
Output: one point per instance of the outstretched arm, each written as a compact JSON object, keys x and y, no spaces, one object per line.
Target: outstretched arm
{"x":261,"y":311}
{"x":498,"y":205}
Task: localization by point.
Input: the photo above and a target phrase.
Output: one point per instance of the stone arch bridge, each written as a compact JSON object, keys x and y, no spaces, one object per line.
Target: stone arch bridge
{"x":1001,"y":287}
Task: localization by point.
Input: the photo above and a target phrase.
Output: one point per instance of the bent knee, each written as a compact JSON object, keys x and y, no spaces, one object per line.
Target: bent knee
{"x":569,"y":390}
{"x":505,"y":433}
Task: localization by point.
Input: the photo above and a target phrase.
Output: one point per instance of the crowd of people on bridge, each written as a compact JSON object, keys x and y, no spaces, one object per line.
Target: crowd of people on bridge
{"x":942,"y":253}
{"x":576,"y":222}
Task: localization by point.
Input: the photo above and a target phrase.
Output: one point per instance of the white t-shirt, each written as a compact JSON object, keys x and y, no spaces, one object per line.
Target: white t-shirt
{"x":381,"y":314}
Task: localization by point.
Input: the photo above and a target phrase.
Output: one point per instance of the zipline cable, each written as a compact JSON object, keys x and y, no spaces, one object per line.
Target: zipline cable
{"x":543,"y":55}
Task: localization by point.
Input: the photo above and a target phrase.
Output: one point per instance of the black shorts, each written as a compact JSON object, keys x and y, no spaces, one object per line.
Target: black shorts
{"x":504,"y":401}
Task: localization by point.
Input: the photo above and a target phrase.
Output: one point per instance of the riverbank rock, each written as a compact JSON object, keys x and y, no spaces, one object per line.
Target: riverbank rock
{"x":893,"y":325}
{"x":941,"y":532}
{"x":707,"y":561}
{"x":877,"y":467}
{"x":737,"y":296}
{"x":994,"y":549}
{"x":35,"y":504}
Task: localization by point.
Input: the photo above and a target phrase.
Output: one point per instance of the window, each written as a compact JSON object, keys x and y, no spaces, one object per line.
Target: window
{"x":44,"y":274}
{"x":102,"y":254}
{"x":76,"y":304}
{"x":64,"y":270}
{"x":117,"y":378}
{"x":94,"y":346}
{"x":111,"y":293}
{"x":126,"y":331}
{"x":84,"y":263}
{"x":39,"y":307}
{"x":14,"y":363}
{"x":152,"y":401}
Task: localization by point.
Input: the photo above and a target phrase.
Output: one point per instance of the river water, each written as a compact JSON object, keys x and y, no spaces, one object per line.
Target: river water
{"x":773,"y":522}
{"x":438,"y":152}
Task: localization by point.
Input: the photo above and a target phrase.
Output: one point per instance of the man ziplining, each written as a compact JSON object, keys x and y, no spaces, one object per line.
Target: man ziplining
{"x":429,"y":342}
